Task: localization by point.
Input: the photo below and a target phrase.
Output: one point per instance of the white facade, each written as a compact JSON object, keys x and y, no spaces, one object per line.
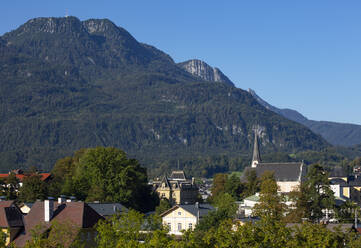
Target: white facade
{"x":178,"y":220}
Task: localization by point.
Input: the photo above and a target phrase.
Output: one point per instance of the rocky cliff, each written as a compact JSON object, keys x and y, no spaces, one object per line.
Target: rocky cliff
{"x":204,"y":71}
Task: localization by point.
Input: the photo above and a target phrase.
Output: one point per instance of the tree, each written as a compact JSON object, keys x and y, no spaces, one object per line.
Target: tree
{"x":218,"y":187}
{"x":106,"y":174}
{"x":316,"y":194}
{"x":11,"y":186}
{"x":271,"y":205}
{"x":33,"y":188}
{"x":226,"y":209}
{"x":163,"y":206}
{"x":234,"y":187}
{"x":251,"y":185}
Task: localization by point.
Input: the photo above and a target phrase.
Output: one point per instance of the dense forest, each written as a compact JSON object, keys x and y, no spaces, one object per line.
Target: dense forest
{"x":67,"y":84}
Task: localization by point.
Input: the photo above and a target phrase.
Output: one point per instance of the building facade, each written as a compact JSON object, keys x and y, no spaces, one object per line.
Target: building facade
{"x":177,"y":188}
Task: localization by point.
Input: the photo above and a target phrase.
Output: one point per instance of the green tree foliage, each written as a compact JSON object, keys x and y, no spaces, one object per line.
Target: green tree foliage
{"x":271,"y":206}
{"x":33,"y":188}
{"x":226,"y":209}
{"x":315,"y":194}
{"x":163,"y":206}
{"x":252,"y":184}
{"x":107,"y":175}
{"x":11,"y":187}
{"x":106,"y":89}
{"x":59,"y":235}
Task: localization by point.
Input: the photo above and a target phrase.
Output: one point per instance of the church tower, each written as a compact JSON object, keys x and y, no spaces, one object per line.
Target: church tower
{"x":256,"y":158}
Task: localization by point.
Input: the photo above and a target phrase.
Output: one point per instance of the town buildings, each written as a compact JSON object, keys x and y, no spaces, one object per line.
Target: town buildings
{"x":177,"y":188}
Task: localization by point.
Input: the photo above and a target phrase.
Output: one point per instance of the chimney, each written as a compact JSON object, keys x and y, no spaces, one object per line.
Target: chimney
{"x":48,"y":208}
{"x":61,"y":199}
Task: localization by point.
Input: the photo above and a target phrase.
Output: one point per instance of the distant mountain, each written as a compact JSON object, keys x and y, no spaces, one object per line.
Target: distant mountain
{"x":204,"y":71}
{"x":66,"y":84}
{"x":340,"y":134}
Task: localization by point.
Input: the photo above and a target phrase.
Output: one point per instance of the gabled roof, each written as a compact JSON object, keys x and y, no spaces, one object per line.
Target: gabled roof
{"x":177,"y":175}
{"x":203,"y":209}
{"x":108,"y":209}
{"x":78,"y":214}
{"x":292,"y":171}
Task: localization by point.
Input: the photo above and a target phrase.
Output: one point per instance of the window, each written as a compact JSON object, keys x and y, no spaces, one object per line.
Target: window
{"x":179,"y":213}
{"x":190,"y":225}
{"x":163,"y":194}
{"x":179,"y":226}
{"x":169,"y":226}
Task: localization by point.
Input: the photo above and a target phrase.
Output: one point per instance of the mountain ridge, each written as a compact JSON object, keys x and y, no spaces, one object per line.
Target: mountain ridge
{"x":63,"y":88}
{"x":341,"y":134}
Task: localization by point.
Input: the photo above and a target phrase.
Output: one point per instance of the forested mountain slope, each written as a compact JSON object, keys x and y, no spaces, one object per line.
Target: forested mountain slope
{"x":67,"y":84}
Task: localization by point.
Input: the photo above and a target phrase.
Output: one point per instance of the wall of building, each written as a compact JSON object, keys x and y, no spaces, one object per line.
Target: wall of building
{"x":287,"y":187}
{"x":179,"y":216}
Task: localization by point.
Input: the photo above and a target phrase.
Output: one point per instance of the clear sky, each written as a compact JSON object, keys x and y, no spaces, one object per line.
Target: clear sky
{"x":304,"y":55}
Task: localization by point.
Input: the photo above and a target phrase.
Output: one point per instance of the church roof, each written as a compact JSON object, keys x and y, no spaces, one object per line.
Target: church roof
{"x":293,"y":171}
{"x":256,"y":154}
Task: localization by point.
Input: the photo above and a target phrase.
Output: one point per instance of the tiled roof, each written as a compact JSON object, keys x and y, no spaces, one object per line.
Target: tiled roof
{"x":108,"y":209}
{"x":44,"y":176}
{"x":10,"y":217}
{"x":77,"y":213}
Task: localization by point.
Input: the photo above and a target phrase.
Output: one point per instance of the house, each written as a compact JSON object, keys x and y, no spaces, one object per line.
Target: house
{"x":107,"y":209}
{"x":177,"y":188}
{"x":44,"y":214}
{"x":288,"y":175}
{"x":184,"y":217}
{"x":11,"y":220}
{"x":20,"y":176}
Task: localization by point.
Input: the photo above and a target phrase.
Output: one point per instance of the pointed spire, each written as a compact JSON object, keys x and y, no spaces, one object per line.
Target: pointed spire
{"x":256,"y":158}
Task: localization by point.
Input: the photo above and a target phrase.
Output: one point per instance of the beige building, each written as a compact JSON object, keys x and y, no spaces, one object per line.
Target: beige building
{"x":183,"y":217}
{"x":177,"y":188}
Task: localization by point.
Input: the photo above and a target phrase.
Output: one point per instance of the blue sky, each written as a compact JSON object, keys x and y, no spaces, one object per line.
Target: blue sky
{"x":304,"y":55}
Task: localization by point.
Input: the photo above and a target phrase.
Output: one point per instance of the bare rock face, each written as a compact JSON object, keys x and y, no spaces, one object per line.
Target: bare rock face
{"x":204,"y":71}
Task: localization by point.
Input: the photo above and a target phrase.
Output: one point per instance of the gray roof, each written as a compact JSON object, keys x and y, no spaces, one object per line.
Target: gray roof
{"x":338,"y":181}
{"x":203,"y":209}
{"x":338,"y":172}
{"x":177,"y":175}
{"x":293,"y":171}
{"x":107,"y":209}
{"x":256,"y":154}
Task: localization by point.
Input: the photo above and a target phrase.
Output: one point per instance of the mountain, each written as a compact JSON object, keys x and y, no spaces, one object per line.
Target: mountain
{"x":66,"y":84}
{"x":204,"y":71}
{"x":340,"y":134}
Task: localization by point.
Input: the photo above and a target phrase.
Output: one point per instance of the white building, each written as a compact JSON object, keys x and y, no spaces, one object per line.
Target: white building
{"x":184,"y":217}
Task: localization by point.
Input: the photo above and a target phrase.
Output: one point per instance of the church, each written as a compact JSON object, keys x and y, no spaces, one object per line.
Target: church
{"x":288,"y":175}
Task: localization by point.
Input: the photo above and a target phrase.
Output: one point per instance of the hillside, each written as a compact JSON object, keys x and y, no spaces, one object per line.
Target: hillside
{"x":67,"y":84}
{"x":339,"y":134}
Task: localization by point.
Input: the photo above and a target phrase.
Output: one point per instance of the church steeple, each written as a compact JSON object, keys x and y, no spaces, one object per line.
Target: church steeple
{"x":256,"y":158}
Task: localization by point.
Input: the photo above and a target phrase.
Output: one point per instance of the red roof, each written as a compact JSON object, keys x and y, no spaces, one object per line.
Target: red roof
{"x":44,"y":176}
{"x":77,"y":213}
